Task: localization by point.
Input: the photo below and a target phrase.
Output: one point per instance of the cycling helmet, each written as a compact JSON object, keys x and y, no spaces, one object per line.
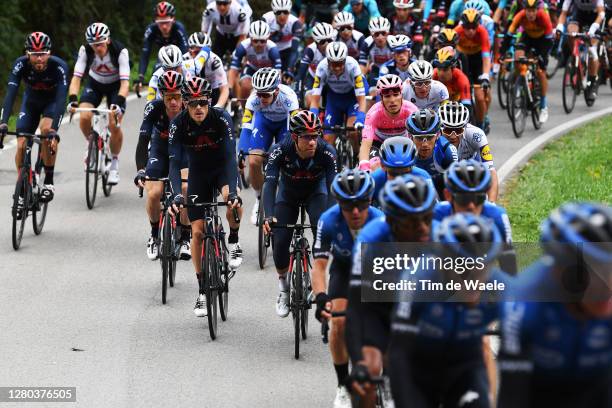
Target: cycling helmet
{"x":97,"y":33}
{"x":467,"y":176}
{"x":399,"y":42}
{"x":398,"y":152}
{"x":453,"y":114}
{"x":573,"y":227}
{"x":353,"y":185}
{"x":164,"y":9}
{"x":379,"y":24}
{"x":199,"y":39}
{"x":423,"y":122}
{"x":531,"y":3}
{"x":448,"y":37}
{"x":266,"y":80}
{"x":323,"y":31}
{"x":304,"y":122}
{"x":420,"y":71}
{"x":476,"y":5}
{"x":407,"y":195}
{"x":470,"y":16}
{"x":196,"y":87}
{"x":170,"y":81}
{"x":446,"y":57}
{"x":259,"y":30}
{"x":38,"y":42}
{"x":344,"y":18}
{"x":469,"y":236}
{"x":336,"y":51}
{"x":389,"y":81}
{"x":281,"y":5}
{"x":170,"y":56}
{"x":403,"y":4}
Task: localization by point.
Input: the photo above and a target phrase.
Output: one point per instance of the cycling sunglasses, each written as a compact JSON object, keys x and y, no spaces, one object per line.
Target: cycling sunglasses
{"x":449,"y":131}
{"x":281,"y":12}
{"x":424,"y":138}
{"x":336,"y":64}
{"x":265,"y":95}
{"x":259,"y":41}
{"x":464,"y":199}
{"x":194,"y":103}
{"x":378,"y":34}
{"x":470,"y":26}
{"x":345,"y":28}
{"x":421,"y":84}
{"x":350,"y":205}
{"x":38,"y":53}
{"x":222,"y":3}
{"x":391,"y":92}
{"x":309,"y":136}
{"x":399,"y":172}
{"x":325,"y":41}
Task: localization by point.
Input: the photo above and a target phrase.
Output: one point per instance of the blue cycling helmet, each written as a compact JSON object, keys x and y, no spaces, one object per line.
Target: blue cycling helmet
{"x":353,"y":185}
{"x":474,"y":4}
{"x":468,"y":235}
{"x":407,"y":195}
{"x":467,"y":176}
{"x":398,"y":152}
{"x":587,"y":226}
{"x":423,"y":122}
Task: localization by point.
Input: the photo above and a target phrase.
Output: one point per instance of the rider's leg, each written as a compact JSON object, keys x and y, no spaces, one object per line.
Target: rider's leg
{"x":48,"y":158}
{"x":153,"y":206}
{"x":480,"y":109}
{"x":27,"y":121}
{"x":245,"y":87}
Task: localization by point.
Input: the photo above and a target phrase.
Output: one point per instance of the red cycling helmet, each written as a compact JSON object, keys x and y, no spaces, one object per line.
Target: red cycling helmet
{"x":196,"y":87}
{"x":165,"y":9}
{"x":38,"y":42}
{"x":170,"y":81}
{"x":304,"y":122}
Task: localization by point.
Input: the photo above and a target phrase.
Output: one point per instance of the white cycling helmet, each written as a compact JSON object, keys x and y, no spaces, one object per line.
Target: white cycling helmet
{"x":399,"y":42}
{"x":281,"y":5}
{"x":199,"y":39}
{"x":344,"y":19}
{"x":454,"y":114}
{"x":97,"y":33}
{"x":379,"y":24}
{"x":403,"y":4}
{"x":259,"y":30}
{"x":420,"y":71}
{"x":323,"y":31}
{"x":266,"y":79}
{"x":170,"y":56}
{"x":336,"y":51}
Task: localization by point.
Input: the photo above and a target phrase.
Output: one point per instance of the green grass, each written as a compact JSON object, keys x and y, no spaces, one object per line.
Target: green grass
{"x":576,"y":167}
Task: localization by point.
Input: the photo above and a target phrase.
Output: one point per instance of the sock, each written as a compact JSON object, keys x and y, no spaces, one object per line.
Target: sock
{"x":201,"y":289}
{"x":115,"y":163}
{"x":543,"y":102}
{"x":49,"y":174}
{"x":342,"y":371}
{"x":283,"y":285}
{"x":233,"y":236}
{"x":154,"y":229}
{"x":185,"y":232}
{"x":258,"y":194}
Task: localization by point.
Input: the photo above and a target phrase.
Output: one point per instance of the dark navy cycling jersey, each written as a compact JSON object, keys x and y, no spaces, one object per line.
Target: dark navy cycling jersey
{"x":154,"y":129}
{"x":390,"y":67}
{"x":444,"y":154}
{"x":334,"y":236}
{"x":153,"y":36}
{"x":490,"y":210}
{"x":287,"y":169}
{"x":209,"y":146}
{"x":50,"y":84}
{"x":380,"y":178}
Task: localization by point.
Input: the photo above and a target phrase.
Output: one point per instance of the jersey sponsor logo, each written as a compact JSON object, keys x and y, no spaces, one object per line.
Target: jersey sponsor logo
{"x":247,"y":117}
{"x":485,"y":153}
{"x":359,"y":81}
{"x":316,"y":83}
{"x":153,"y":160}
{"x":18,"y":67}
{"x":477,"y":137}
{"x":225,"y":20}
{"x":216,"y":64}
{"x":21,"y":115}
{"x":148,"y":109}
{"x":242,"y":17}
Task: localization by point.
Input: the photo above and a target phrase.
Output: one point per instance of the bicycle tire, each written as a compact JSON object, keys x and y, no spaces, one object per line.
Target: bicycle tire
{"x":591,"y":102}
{"x":39,"y":215}
{"x":105,"y":163}
{"x":224,"y":282}
{"x":91,"y":172}
{"x":21,"y":190}
{"x":262,"y":248}
{"x":568,"y":88}
{"x":174,"y":250}
{"x":297,"y":292}
{"x":165,"y":253}
{"x":551,"y":72}
{"x":306,"y":307}
{"x":349,"y":155}
{"x":339,"y":154}
{"x":502,"y":88}
{"x":518,"y":106}
{"x":535,"y":107}
{"x":209,"y":266}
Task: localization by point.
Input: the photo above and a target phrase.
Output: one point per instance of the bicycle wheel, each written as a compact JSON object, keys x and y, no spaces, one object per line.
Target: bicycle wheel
{"x":174,"y":250}
{"x":502,"y":88}
{"x":306,"y":307}
{"x":39,"y":215}
{"x":105,"y":168}
{"x":568,"y":89}
{"x":595,"y":89}
{"x":209,"y":270}
{"x":165,"y":253}
{"x":224,"y":278}
{"x":552,"y":68}
{"x":518,"y":107}
{"x":536,"y":96}
{"x":339,"y":154}
{"x":262,"y":248}
{"x":297,"y":292}
{"x":91,"y":172}
{"x":350,"y":155}
{"x":21,"y":198}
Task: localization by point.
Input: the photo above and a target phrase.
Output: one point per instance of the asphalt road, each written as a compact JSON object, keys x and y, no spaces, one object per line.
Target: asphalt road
{"x":86,"y":283}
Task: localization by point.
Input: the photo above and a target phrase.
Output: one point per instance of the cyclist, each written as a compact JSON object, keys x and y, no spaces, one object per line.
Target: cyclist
{"x":336,"y":230}
{"x":447,"y":37}
{"x":470,"y":141}
{"x":46,"y":82}
{"x":407,"y":202}
{"x":476,"y":61}
{"x":155,"y":162}
{"x":208,"y":65}
{"x":107,"y":64}
{"x":564,"y":311}
{"x":537,"y":36}
{"x":363,"y":11}
{"x":196,"y":42}
{"x":375,"y":51}
{"x":437,"y":352}
{"x":165,"y":30}
{"x":322,"y":34}
{"x":265,"y":119}
{"x":344,"y":24}
{"x":435,"y":153}
{"x":346,"y":93}
{"x":385,"y":119}
{"x":258,"y":51}
{"x":171,"y":59}
{"x":402,"y":57}
{"x":485,"y":17}
{"x":453,"y":78}
{"x":421,"y":90}
{"x":286,"y":32}
{"x":206,"y":135}
{"x":403,"y":21}
{"x":457,"y":7}
{"x":593,"y":14}
{"x":300,"y":170}
{"x":231,"y":21}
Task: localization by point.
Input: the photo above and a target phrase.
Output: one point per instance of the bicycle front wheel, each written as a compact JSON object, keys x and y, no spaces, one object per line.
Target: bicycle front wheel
{"x":502,"y":88}
{"x":209,"y":274}
{"x":224,"y":278}
{"x":297,"y":292}
{"x":570,"y":86}
{"x":262,"y":248}
{"x":305,"y":305}
{"x":518,"y":107}
{"x":39,"y":214}
{"x":92,"y":171}
{"x":105,"y":163}
{"x":21,"y":198}
{"x":165,"y":254}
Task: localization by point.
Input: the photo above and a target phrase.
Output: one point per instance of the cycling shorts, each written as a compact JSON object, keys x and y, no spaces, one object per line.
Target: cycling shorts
{"x":541,"y":46}
{"x":223,"y":43}
{"x":265,"y":132}
{"x":158,"y":165}
{"x":248,"y":72}
{"x":338,"y":280}
{"x":339,"y":107}
{"x":285,"y":55}
{"x":33,"y":106}
{"x":376,"y":324}
{"x":94,"y":92}
{"x":472,"y":66}
{"x":205,"y":184}
{"x":582,"y":18}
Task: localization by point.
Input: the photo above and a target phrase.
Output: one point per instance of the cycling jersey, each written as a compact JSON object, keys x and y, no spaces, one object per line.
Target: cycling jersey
{"x":538,"y":28}
{"x":187,"y":70}
{"x":368,"y":12}
{"x":456,"y":9}
{"x":103,"y":70}
{"x":459,"y":89}
{"x":350,"y":80}
{"x":380,"y":179}
{"x":390,"y":67}
{"x":47,"y":88}
{"x":310,"y":60}
{"x":410,"y":27}
{"x":235,"y":23}
{"x":283,"y":36}
{"x":490,"y":210}
{"x":208,"y":65}
{"x":582,"y":5}
{"x":479,"y":43}
{"x":379,"y":125}
{"x":475,"y":145}
{"x":443,"y":155}
{"x":354,"y":44}
{"x":153,"y":36}
{"x":268,"y":57}
{"x":372,"y":53}
{"x":437,"y":95}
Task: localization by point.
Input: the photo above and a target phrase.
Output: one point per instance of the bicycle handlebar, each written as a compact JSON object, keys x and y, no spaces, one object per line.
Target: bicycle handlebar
{"x":291,"y":226}
{"x":97,"y":111}
{"x":325,"y":325}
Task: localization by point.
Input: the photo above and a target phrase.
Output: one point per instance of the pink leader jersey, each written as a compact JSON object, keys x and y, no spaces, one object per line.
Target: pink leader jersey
{"x":379,"y":125}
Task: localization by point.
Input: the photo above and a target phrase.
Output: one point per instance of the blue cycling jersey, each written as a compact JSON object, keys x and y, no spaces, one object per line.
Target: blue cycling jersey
{"x":380,"y":178}
{"x":444,"y":154}
{"x":489,"y":210}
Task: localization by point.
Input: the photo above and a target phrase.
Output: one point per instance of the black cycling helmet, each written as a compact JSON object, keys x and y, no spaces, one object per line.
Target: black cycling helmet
{"x":196,"y":87}
{"x":468,"y":176}
{"x":305,"y":122}
{"x":38,"y":42}
{"x":164,"y":9}
{"x":353,"y":185}
{"x":423,"y":122}
{"x":170,"y":81}
{"x":407,"y":195}
{"x":468,"y":235}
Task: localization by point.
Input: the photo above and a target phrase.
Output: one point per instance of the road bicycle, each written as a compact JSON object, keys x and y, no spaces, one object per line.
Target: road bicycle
{"x":525,"y":94}
{"x":345,"y":153}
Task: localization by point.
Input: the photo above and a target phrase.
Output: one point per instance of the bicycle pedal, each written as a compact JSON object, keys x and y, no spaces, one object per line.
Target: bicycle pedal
{"x":231,"y":274}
